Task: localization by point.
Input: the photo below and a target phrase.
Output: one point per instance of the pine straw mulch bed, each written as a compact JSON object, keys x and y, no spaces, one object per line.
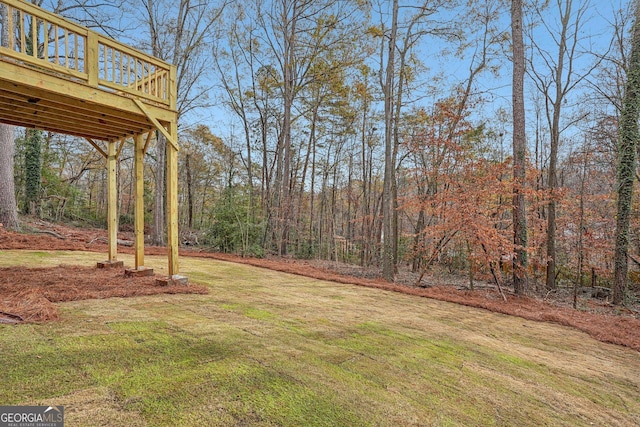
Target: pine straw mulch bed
{"x":30,"y":294}
{"x":604,"y":323}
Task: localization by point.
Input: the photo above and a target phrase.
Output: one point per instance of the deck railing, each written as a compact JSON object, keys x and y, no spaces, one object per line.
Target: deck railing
{"x":41,"y":39}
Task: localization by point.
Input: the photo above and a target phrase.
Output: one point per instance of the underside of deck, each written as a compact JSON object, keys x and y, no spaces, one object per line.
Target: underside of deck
{"x":60,"y":77}
{"x":35,"y":99}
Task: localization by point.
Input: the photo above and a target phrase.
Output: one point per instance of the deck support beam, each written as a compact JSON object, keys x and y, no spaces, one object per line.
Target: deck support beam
{"x":139,"y":200}
{"x":170,"y":131}
{"x":138,"y":164}
{"x":171,"y":136}
{"x":172,"y":200}
{"x":112,"y":202}
{"x":112,"y":209}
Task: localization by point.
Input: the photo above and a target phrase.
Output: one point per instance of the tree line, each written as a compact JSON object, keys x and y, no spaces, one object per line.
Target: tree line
{"x":495,"y":139}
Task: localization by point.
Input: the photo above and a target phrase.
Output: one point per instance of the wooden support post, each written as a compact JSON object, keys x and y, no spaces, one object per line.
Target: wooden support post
{"x":112,"y":209}
{"x":172,"y":200}
{"x":138,"y":163}
{"x":139,"y":207}
{"x":112,"y":202}
{"x":172,"y":182}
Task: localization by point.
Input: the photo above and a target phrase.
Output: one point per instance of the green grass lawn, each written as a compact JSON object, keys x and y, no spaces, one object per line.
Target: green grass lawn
{"x":270,"y":349}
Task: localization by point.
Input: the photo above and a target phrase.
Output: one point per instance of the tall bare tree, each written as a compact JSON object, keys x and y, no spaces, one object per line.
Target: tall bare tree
{"x":409,"y":23}
{"x":178,"y":33}
{"x":388,"y":205}
{"x":519,"y":152}
{"x":627,"y":154}
{"x":555,"y":78}
{"x":232,"y":56}
{"x":8,"y":207}
{"x":290,"y":39}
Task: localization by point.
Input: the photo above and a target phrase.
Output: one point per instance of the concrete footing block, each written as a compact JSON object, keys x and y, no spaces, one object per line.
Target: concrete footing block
{"x":176,"y":279}
{"x":138,"y":272}
{"x":110,"y":264}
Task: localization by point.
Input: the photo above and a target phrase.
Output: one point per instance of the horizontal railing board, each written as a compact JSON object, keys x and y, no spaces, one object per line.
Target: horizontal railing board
{"x":68,"y":49}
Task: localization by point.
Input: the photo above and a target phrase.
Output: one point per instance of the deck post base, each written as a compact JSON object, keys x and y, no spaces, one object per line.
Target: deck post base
{"x":110,"y":264}
{"x":176,"y":279}
{"x":138,"y":272}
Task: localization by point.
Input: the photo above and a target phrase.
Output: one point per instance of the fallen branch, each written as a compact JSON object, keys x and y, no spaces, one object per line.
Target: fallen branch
{"x":632,"y":258}
{"x":49,"y":232}
{"x":120,"y":242}
{"x":11,"y":316}
{"x":103,"y":239}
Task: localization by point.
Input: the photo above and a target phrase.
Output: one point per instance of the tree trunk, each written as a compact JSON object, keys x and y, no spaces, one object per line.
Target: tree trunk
{"x":627,"y":147}
{"x":519,"y":154}
{"x":417,"y":240}
{"x":551,"y":227}
{"x":187,"y":161}
{"x":564,"y":79}
{"x":157,"y":229}
{"x":388,"y":261}
{"x":581,"y":229}
{"x":553,"y":154}
{"x":33,"y":171}
{"x":288,"y":92}
{"x":312,"y":210}
{"x":8,"y":208}
{"x":366,"y":140}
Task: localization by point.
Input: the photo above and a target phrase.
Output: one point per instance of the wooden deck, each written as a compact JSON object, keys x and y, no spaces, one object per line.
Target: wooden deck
{"x":61,"y":77}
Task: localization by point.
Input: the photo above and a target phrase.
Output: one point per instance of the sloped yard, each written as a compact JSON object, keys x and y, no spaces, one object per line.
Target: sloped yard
{"x":601,"y":320}
{"x":266,"y":348}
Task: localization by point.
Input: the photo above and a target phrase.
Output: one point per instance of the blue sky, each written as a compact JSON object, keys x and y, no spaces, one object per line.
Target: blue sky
{"x":447,"y":70}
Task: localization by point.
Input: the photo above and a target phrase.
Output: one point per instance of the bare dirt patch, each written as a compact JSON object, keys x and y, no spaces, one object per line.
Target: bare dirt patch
{"x":602,"y":321}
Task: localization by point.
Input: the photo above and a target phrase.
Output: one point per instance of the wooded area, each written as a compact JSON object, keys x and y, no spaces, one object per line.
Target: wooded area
{"x":380,"y":133}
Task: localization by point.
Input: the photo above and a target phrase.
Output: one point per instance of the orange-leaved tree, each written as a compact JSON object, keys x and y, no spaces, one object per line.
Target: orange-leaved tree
{"x":460,"y":199}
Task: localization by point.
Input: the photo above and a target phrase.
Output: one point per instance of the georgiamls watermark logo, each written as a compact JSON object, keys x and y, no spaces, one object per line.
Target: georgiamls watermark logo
{"x":31,"y":416}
